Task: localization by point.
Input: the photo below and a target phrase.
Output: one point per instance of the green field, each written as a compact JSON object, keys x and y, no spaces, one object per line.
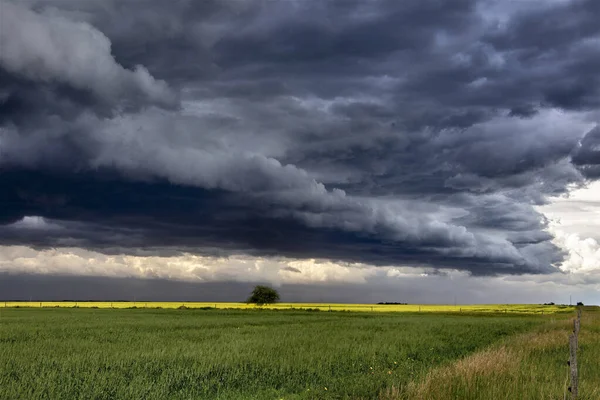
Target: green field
{"x":82,"y":353}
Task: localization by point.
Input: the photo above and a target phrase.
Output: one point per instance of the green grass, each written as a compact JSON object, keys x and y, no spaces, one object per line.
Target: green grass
{"x":217,"y":354}
{"x":532,"y":365}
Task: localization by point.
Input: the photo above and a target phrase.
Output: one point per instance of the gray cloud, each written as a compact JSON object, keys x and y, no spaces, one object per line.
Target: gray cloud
{"x":587,"y":155}
{"x":420,"y":133}
{"x":48,"y":48}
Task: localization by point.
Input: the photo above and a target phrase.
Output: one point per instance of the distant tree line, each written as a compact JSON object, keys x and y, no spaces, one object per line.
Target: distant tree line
{"x":392,"y":303}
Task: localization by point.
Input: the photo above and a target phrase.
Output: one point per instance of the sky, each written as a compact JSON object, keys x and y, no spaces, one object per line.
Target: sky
{"x":341,"y":150}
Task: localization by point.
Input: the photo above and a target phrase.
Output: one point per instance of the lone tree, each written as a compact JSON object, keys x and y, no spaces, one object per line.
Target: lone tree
{"x":262,"y":295}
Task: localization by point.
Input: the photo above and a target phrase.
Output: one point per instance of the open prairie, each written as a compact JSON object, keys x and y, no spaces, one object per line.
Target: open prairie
{"x":82,"y":353}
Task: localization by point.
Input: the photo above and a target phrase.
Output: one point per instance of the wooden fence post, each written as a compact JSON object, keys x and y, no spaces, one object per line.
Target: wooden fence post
{"x":573,"y":346}
{"x":573,"y":365}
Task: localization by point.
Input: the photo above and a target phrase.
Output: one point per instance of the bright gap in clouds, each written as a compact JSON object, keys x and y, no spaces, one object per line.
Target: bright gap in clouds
{"x":575,"y":224}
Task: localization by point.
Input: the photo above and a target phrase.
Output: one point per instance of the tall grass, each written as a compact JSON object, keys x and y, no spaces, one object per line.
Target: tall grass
{"x":531,"y":365}
{"x":213,"y":354}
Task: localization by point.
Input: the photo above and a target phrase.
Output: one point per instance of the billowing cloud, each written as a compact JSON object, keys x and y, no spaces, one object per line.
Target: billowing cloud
{"x":574,"y":224}
{"x":49,"y":48}
{"x":416,"y":133}
{"x":584,"y":254}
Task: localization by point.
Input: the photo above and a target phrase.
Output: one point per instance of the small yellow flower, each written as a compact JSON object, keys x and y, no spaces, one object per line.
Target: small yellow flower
{"x":389,"y":372}
{"x":325,"y":388}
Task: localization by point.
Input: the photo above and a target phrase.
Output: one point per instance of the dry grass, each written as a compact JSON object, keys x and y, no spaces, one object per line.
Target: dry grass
{"x":549,"y":340}
{"x":466,"y":374}
{"x":527,"y":366}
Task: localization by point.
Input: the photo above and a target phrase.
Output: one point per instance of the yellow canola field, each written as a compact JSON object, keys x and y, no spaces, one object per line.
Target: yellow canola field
{"x":502,"y":308}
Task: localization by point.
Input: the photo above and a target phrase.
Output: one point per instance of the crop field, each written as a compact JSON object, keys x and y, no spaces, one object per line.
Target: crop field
{"x":82,"y":353}
{"x":485,"y":308}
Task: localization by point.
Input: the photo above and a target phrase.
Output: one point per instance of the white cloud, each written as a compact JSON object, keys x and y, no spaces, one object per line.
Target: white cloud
{"x":583,"y":254}
{"x":186,"y":267}
{"x":575,"y":224}
{"x":312,"y":271}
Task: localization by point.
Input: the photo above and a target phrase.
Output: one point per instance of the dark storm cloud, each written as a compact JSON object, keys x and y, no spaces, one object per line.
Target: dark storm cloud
{"x":587,"y":155}
{"x":54,"y":66}
{"x":385,"y":132}
{"x":124,"y":216}
{"x":23,"y":102}
{"x":567,"y":33}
